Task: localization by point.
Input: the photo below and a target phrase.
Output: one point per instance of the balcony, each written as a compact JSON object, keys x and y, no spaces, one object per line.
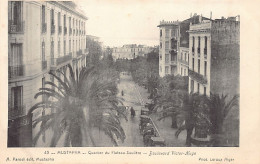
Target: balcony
{"x":52,"y":29}
{"x":44,"y":65}
{"x":17,"y":27}
{"x":60,"y":29}
{"x":198,"y":77}
{"x":15,"y":71}
{"x":15,"y":112}
{"x":184,"y":62}
{"x":173,"y":52}
{"x":44,"y":28}
{"x":60,"y":61}
{"x":70,"y":31}
{"x":65,"y":30}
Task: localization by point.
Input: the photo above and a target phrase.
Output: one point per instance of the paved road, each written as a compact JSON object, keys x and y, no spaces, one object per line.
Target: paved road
{"x":131,"y":127}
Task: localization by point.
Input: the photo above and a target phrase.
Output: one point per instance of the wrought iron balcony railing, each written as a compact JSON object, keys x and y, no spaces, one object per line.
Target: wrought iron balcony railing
{"x":16,"y":111}
{"x":56,"y":62}
{"x":15,"y":71}
{"x":198,"y":77}
{"x":44,"y":65}
{"x":60,"y":29}
{"x":44,"y":28}
{"x":52,"y":29}
{"x":16,"y":27}
{"x":174,"y":62}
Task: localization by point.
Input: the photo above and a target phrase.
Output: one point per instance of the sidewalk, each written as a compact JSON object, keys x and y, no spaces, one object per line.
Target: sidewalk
{"x":164,"y":125}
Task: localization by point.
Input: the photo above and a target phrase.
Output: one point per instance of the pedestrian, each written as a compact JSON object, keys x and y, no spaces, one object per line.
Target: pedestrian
{"x":132,"y":112}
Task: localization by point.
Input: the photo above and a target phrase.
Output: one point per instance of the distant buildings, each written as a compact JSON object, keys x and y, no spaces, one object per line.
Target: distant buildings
{"x":130,"y":51}
{"x":207,"y":50}
{"x":43,"y":36}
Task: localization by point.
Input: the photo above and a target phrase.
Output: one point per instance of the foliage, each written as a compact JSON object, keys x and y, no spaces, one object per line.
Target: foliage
{"x":77,"y":104}
{"x":220,"y":107}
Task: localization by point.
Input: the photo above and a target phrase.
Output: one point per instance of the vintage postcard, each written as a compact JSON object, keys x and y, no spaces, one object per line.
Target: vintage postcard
{"x":110,"y":81}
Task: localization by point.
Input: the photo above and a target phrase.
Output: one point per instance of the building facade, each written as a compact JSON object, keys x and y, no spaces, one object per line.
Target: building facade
{"x":169,"y":47}
{"x":214,"y":56}
{"x":130,"y":51}
{"x":43,"y":36}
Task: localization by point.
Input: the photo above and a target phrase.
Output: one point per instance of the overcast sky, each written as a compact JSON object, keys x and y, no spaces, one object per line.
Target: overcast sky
{"x":119,"y":22}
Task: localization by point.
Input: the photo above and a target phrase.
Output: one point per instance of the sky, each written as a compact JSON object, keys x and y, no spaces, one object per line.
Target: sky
{"x":119,"y":22}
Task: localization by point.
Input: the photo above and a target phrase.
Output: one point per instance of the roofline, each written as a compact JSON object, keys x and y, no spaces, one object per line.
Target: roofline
{"x":69,"y":9}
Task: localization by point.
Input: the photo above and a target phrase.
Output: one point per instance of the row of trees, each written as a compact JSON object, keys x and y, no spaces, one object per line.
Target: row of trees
{"x":216,"y":115}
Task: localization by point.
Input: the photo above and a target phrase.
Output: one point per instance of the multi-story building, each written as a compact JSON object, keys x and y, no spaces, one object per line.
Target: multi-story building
{"x":43,"y":36}
{"x":183,"y":53}
{"x":214,"y":56}
{"x":169,"y":47}
{"x":130,"y":51}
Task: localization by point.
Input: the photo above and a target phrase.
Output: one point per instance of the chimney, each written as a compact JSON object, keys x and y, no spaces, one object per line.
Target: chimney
{"x":238,"y":18}
{"x":210,"y":14}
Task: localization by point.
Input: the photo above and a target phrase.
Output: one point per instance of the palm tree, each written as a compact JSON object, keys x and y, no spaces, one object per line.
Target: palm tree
{"x":219,"y":110}
{"x":79,"y":103}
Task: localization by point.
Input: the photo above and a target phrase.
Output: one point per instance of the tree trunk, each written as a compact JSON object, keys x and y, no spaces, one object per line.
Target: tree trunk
{"x":174,"y":121}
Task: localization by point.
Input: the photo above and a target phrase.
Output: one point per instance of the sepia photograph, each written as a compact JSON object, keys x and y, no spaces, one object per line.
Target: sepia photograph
{"x":170,"y":80}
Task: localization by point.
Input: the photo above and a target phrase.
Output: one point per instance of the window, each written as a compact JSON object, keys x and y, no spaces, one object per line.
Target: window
{"x":205,"y":68}
{"x":43,"y":51}
{"x":206,"y":41}
{"x":192,"y":86}
{"x":160,"y":44}
{"x":52,"y":17}
{"x":198,"y":44}
{"x":64,"y":20}
{"x":69,"y":46}
{"x":52,"y":52}
{"x":59,"y":19}
{"x":205,"y":90}
{"x":181,"y":71}
{"x":193,"y":43}
{"x":16,"y":12}
{"x":16,"y":55}
{"x":17,"y":98}
{"x":184,"y":72}
{"x":166,"y":69}
{"x":167,"y":33}
{"x":198,"y":87}
{"x":70,"y":22}
{"x":44,"y":26}
{"x":43,"y":14}
{"x":64,"y":46}
{"x":58,"y":48}
{"x":160,"y":33}
{"x":185,"y":57}
{"x":167,"y":45}
{"x":198,"y":65}
{"x":193,"y":64}
{"x":167,"y":56}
